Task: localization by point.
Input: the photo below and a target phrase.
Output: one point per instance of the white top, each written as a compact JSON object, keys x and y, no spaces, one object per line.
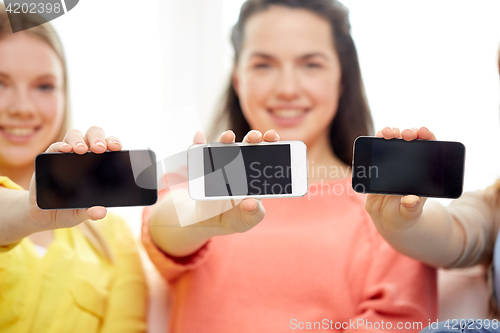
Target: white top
{"x":41,"y":250}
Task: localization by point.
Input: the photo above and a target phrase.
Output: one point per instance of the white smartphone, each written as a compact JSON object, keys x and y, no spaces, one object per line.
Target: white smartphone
{"x":247,"y":170}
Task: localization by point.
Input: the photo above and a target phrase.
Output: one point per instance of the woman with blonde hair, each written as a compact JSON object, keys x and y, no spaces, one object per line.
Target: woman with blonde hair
{"x":59,"y":271}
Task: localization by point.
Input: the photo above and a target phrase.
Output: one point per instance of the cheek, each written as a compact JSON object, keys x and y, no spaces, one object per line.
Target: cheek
{"x":254,"y":93}
{"x":325,"y":94}
{"x":50,"y":107}
{"x":51,"y":110}
{"x":255,"y":90}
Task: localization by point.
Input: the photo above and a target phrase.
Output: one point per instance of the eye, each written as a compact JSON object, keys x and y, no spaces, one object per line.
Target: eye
{"x":262,"y":66}
{"x":46,"y":87}
{"x":312,"y":65}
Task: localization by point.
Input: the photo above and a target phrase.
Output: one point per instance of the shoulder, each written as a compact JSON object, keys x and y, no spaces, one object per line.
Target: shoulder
{"x":8,"y":183}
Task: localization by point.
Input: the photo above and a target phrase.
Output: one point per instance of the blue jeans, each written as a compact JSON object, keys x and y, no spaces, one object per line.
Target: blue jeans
{"x":464,"y":326}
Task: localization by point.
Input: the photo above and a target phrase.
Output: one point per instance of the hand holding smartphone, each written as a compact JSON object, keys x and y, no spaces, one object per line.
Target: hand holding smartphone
{"x":220,"y":171}
{"x":109,"y":179}
{"x":219,"y":194}
{"x":74,"y":143}
{"x":425,"y":168}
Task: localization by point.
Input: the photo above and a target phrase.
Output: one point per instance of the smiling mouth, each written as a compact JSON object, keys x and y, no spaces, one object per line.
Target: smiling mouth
{"x":19,"y":131}
{"x":288,"y":114}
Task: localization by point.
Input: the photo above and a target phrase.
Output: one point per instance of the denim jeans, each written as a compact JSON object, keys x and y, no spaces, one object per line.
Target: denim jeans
{"x":464,"y":326}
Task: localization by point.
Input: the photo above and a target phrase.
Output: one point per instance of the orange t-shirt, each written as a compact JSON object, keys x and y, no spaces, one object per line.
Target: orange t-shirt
{"x":314,"y":262}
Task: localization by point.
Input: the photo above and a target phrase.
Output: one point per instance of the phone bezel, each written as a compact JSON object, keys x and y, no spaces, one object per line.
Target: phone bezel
{"x":453,"y":182}
{"x":298,"y":160}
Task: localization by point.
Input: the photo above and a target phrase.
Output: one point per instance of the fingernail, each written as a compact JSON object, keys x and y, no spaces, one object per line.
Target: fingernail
{"x":99,"y":143}
{"x":412,"y":205}
{"x":255,"y":131}
{"x":65,"y":144}
{"x":117,"y":142}
{"x":80,"y":144}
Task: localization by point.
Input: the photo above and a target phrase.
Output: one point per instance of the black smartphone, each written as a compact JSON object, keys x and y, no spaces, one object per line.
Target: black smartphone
{"x":420,"y":167}
{"x":110,"y":179}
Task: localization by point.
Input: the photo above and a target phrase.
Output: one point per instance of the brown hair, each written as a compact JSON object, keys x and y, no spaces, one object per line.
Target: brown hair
{"x":353,"y":116}
{"x":36,"y":26}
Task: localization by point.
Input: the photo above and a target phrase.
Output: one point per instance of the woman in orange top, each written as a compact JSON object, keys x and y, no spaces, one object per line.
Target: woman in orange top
{"x":315,"y":262}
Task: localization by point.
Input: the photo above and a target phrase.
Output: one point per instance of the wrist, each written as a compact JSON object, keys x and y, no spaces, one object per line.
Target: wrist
{"x":30,"y":215}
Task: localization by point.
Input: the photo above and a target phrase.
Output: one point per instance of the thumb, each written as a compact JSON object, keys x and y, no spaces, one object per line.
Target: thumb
{"x":252,"y":211}
{"x":96,"y":213}
{"x":93,"y":213}
{"x":411,"y":207}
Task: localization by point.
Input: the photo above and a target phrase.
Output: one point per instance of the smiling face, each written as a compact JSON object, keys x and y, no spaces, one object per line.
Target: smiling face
{"x":288,"y":74}
{"x":31,"y":98}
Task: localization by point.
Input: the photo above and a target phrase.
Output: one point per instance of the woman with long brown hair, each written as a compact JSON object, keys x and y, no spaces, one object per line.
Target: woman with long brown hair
{"x":59,"y":271}
{"x":314,"y":262}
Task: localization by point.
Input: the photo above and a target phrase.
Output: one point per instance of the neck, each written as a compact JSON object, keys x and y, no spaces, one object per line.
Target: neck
{"x":19,"y":175}
{"x":323,"y":164}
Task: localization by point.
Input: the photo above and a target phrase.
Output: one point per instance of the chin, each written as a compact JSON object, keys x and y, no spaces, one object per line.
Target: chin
{"x":19,"y":158}
{"x":289,"y":134}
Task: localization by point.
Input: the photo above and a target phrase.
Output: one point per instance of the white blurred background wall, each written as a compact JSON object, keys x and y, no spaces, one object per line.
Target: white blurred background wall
{"x":152,"y":71}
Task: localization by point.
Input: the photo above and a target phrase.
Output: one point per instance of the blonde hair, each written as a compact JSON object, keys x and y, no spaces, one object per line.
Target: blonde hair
{"x":36,"y":26}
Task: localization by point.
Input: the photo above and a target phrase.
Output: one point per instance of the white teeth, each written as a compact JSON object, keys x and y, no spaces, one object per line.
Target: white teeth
{"x":288,"y":113}
{"x":19,"y":131}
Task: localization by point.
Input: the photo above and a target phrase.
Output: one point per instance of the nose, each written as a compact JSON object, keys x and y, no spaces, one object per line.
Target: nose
{"x":21,"y":104}
{"x":287,"y":86}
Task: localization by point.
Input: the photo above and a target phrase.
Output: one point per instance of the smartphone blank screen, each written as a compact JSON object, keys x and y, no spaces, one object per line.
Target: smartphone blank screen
{"x":419,"y":167}
{"x":82,"y":181}
{"x":247,"y":170}
{"x":404,"y":168}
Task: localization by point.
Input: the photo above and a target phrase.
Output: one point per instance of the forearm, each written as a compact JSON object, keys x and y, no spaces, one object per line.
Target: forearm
{"x":15,"y":221}
{"x":436,"y":239}
{"x":167,"y":233}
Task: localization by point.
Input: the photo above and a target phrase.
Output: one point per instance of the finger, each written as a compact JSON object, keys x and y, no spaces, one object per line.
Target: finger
{"x":409,"y":134}
{"x":199,"y":138}
{"x":96,"y":140}
{"x":411,"y":207}
{"x":253,"y":136}
{"x":379,"y":134}
{"x":59,"y":147}
{"x":96,"y":213}
{"x":391,"y":133}
{"x":75,"y":138}
{"x":252,"y":211}
{"x":410,"y":201}
{"x":227,"y":137}
{"x":113,"y":143}
{"x":271,"y":136}
{"x":424,"y":134}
